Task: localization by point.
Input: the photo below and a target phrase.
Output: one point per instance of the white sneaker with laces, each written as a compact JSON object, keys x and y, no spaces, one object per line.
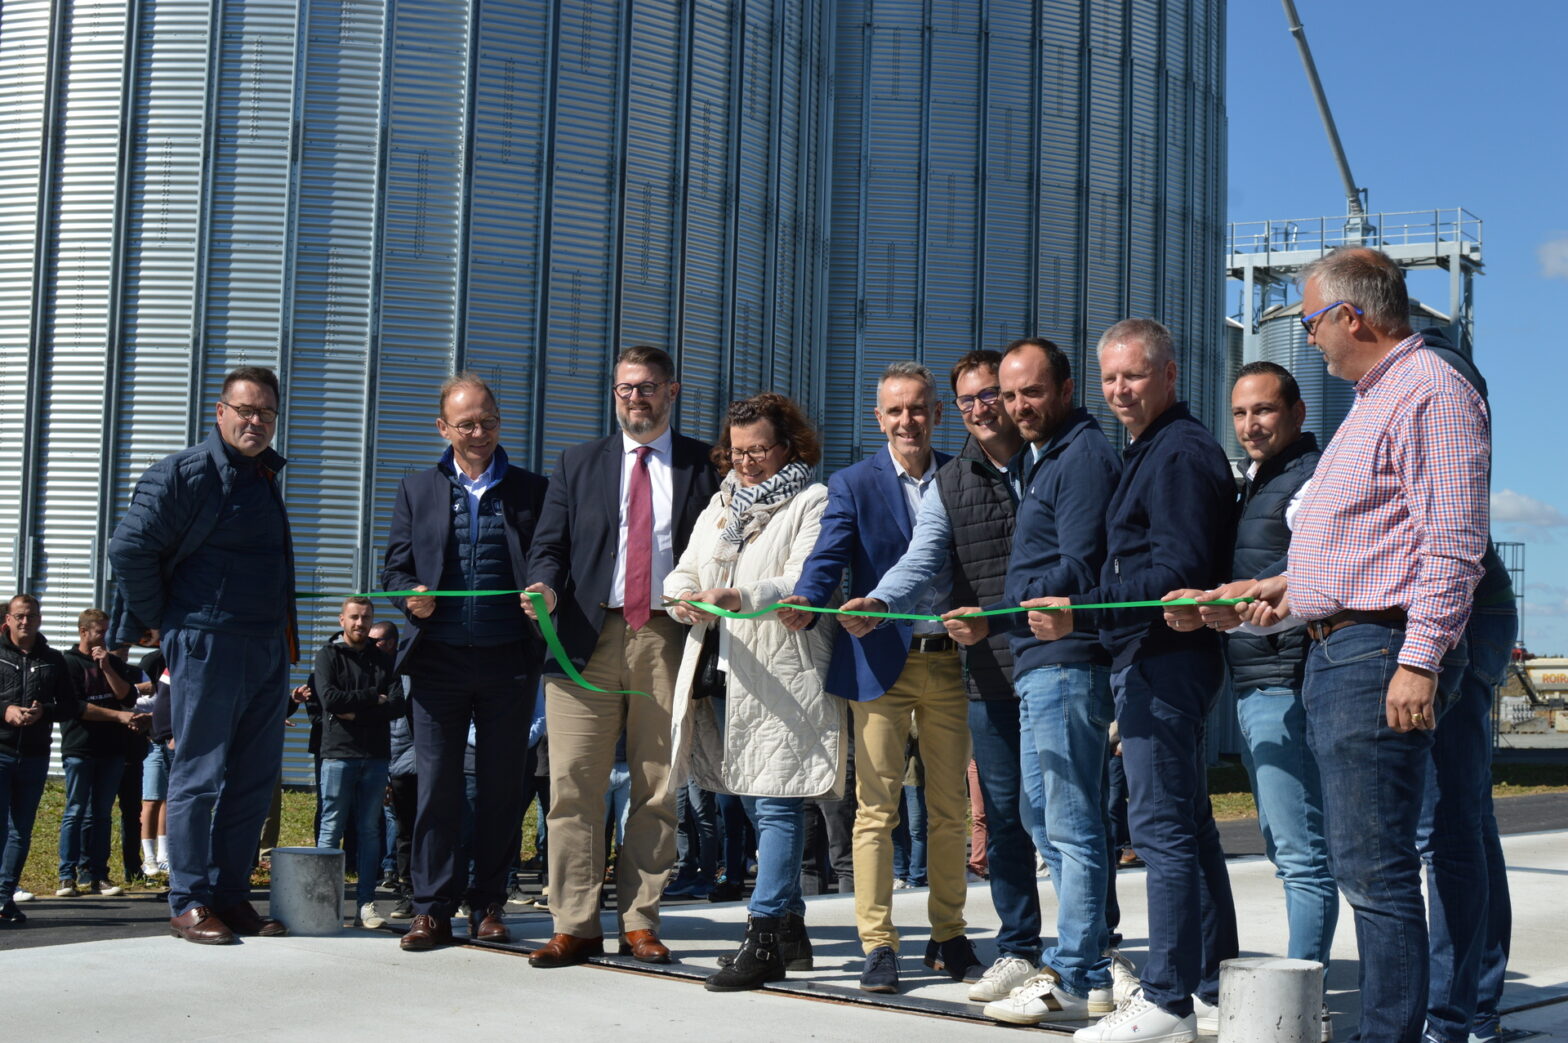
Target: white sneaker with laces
{"x":1139,"y":1021}
{"x":1206,"y":1019}
{"x":901,"y":884}
{"x":368,"y":917}
{"x":1042,"y":998}
{"x":149,"y":869}
{"x":1125,"y":982}
{"x":1001,"y":978}
{"x":23,"y":896}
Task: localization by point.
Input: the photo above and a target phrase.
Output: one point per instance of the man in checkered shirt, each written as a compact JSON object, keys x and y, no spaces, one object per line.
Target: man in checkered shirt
{"x":1385,"y":555}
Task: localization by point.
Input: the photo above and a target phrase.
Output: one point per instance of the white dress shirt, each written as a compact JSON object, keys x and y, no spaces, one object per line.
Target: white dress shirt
{"x":661,"y":481}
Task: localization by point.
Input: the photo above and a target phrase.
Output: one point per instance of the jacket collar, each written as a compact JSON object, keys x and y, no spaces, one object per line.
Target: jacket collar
{"x":224,"y":457}
{"x":1177,"y":411}
{"x":1306,"y":443}
{"x":498,"y":464}
{"x":1025,"y":463}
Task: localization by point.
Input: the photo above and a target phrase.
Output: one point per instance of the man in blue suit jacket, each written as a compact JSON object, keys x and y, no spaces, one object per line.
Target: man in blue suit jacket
{"x":896,"y":672}
{"x":465,"y":524}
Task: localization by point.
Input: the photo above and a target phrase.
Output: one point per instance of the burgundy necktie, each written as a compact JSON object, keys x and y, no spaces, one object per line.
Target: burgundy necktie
{"x":639,"y":543}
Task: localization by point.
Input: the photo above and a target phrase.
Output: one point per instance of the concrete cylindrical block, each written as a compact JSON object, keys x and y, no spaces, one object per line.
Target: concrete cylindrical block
{"x":307,"y":889}
{"x":1271,"y":1000}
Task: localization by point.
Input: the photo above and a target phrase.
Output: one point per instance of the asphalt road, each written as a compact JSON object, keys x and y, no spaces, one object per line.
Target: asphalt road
{"x":61,"y":921}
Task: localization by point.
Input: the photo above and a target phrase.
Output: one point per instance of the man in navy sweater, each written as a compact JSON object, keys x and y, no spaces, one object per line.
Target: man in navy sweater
{"x":1168,"y":526}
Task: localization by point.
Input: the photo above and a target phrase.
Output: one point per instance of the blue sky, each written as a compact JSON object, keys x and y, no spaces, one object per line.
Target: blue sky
{"x":1440,"y":103}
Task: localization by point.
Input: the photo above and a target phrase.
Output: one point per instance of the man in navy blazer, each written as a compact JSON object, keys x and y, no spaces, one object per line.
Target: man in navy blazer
{"x":618,"y":515}
{"x":897,"y":672}
{"x":465,"y":524}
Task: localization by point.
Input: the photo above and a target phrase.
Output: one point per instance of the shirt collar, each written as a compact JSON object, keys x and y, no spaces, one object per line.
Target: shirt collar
{"x":899,"y":468}
{"x":661,"y":446}
{"x":482,"y":482}
{"x":1399,"y":352}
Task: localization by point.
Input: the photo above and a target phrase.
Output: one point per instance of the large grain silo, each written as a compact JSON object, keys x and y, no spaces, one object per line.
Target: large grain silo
{"x":367,"y":194}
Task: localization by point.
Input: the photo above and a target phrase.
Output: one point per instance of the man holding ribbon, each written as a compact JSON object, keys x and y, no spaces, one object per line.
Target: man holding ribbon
{"x":465,"y":524}
{"x":894,"y":673}
{"x":1168,"y":525}
{"x":618,"y":516}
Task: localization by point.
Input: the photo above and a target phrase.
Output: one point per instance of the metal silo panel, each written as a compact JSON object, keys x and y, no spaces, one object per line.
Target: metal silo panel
{"x":249,"y":192}
{"x":705,"y":268}
{"x":1012,"y":178}
{"x":325,"y":428}
{"x":506,"y":213}
{"x":1060,"y":220}
{"x":952,"y":262}
{"x":580,"y":336}
{"x":653,"y":141}
{"x":81,"y":247}
{"x":842,"y":423}
{"x":1146,"y":162}
{"x":750,"y":331}
{"x":163,"y":214}
{"x":1105,"y":172}
{"x":24,"y":80}
{"x":420,"y":233}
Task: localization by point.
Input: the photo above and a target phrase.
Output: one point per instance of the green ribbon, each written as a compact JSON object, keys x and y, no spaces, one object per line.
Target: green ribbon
{"x":552,"y":638}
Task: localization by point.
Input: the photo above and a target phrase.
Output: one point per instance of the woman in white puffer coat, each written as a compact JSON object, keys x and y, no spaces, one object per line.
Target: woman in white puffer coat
{"x":751,"y":716}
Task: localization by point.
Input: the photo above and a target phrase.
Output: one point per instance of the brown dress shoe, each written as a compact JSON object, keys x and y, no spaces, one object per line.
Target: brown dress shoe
{"x":425,"y":932}
{"x":245,"y":920}
{"x":566,"y":950}
{"x":486,"y":926}
{"x":644,"y":947}
{"x":201,"y":926}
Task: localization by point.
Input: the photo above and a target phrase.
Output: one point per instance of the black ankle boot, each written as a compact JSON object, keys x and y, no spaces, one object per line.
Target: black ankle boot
{"x":756,"y":963}
{"x":794,"y":946}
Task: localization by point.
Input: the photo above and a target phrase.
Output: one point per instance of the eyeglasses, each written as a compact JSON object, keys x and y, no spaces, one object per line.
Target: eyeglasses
{"x":1310,"y":322}
{"x":986,"y":396}
{"x":646,"y":389}
{"x":265,"y":417}
{"x":756,"y":454}
{"x":469,"y":428}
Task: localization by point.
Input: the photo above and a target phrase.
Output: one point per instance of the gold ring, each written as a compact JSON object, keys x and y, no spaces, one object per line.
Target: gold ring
{"x":1417,"y":717}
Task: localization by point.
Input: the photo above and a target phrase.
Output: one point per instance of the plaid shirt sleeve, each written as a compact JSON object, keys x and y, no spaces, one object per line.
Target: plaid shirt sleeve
{"x":1440,"y":454}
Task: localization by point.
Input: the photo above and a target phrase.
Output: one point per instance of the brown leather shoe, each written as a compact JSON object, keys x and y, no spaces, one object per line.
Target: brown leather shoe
{"x":425,"y":932}
{"x":566,"y":950}
{"x":243,"y":919}
{"x":644,"y":947}
{"x":201,"y":926}
{"x":486,"y":925}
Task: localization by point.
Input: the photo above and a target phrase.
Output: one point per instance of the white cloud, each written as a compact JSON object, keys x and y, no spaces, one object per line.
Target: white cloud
{"x":1554,"y":258}
{"x":1511,"y":508}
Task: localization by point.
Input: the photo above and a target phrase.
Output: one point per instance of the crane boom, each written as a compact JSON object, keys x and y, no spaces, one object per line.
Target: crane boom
{"x":1352,"y":193}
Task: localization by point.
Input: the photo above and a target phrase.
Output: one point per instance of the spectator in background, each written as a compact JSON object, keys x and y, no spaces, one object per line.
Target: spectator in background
{"x":402,"y":788}
{"x":353,"y":678}
{"x":155,"y":769}
{"x":383,"y":634}
{"x":93,"y":755}
{"x":36,"y":690}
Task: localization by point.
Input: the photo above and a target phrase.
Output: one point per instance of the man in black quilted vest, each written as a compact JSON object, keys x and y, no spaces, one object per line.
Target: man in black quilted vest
{"x":1267,"y":669}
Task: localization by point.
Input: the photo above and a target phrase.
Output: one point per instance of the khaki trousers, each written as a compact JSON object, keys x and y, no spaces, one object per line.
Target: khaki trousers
{"x":583,"y":729}
{"x":931,"y":691}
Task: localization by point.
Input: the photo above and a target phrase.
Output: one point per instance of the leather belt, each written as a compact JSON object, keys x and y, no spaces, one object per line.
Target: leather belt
{"x":621,"y":611}
{"x":1318,"y":629}
{"x":932,"y":643}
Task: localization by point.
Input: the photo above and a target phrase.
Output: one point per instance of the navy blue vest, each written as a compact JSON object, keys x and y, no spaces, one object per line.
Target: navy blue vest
{"x":980,"y":506}
{"x":477,"y":558}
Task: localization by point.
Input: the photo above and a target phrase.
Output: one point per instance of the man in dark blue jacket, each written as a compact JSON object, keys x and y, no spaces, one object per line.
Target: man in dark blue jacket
{"x":204,"y":558}
{"x":1068,"y":472}
{"x":1168,"y":526}
{"x":465,"y":524}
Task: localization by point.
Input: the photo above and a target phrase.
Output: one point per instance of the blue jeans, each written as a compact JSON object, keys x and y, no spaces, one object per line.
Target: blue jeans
{"x":1457,"y":838}
{"x":1373,"y":782}
{"x":616,"y":800}
{"x":1289,"y":793}
{"x":354,"y":786}
{"x":227,"y":705}
{"x":1033,"y":785}
{"x":91,"y":784}
{"x":21,"y":787}
{"x":696,"y":833}
{"x":781,"y":841}
{"x":909,"y":837}
{"x":1069,"y":716}
{"x":155,"y":771}
{"x":993,"y":728}
{"x":1161,"y":705}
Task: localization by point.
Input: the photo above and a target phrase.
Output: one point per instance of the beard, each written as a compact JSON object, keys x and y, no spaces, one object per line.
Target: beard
{"x":640,"y":423}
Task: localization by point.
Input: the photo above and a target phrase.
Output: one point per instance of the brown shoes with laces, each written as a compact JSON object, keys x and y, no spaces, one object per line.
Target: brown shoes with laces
{"x":426,"y":932}
{"x":565,"y":950}
{"x":486,"y":925}
{"x":201,"y":926}
{"x":644,"y":947}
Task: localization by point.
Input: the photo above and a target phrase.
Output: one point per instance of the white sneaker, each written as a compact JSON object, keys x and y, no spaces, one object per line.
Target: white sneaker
{"x":1206,"y":1019}
{"x":901,"y":884}
{"x":368,"y":916}
{"x":1125,"y":982}
{"x":149,"y":869}
{"x":1041,"y":999}
{"x":1041,"y":866}
{"x":1140,"y":1021}
{"x":163,"y":866}
{"x":1327,"y":1035}
{"x":1001,"y":978}
{"x":23,"y":896}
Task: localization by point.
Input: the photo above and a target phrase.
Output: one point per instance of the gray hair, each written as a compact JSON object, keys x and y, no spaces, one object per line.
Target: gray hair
{"x":1366,"y":278}
{"x":465,"y":379}
{"x":909,"y":371}
{"x":1158,"y":346}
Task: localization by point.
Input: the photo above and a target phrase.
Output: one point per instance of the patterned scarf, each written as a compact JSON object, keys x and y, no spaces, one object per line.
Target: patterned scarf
{"x":752,"y":506}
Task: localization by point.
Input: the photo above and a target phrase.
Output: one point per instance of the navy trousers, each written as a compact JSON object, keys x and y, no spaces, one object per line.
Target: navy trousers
{"x":494,"y":688}
{"x":228,"y":698}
